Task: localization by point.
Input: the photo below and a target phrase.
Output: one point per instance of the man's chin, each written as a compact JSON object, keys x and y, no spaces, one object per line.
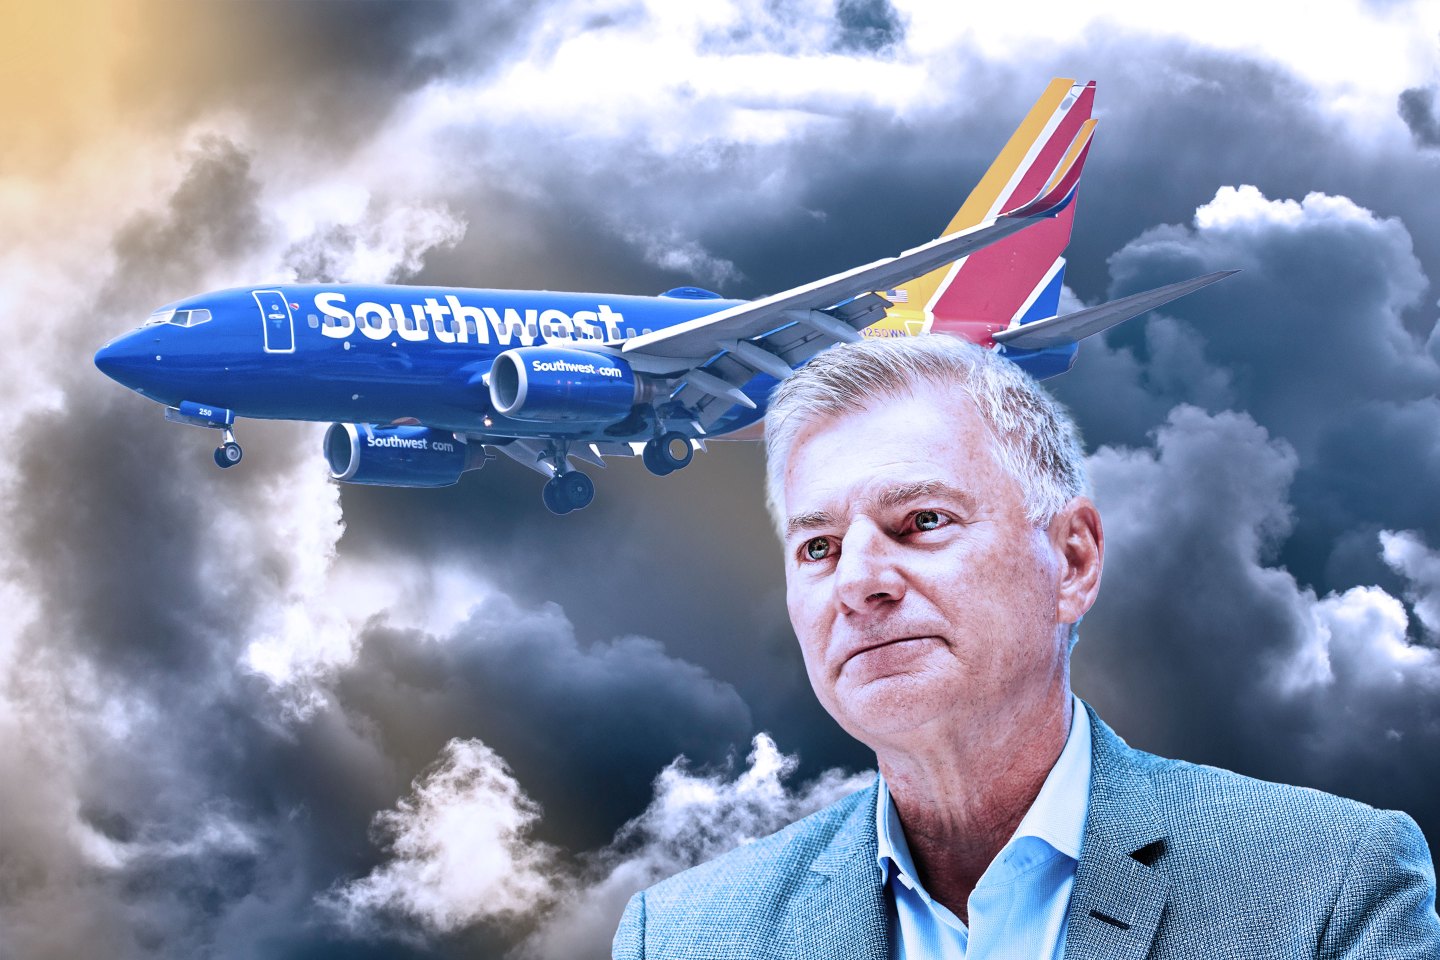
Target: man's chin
{"x":888,"y":704}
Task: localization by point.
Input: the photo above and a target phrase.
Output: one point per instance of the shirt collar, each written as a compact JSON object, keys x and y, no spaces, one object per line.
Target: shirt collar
{"x":1057,"y":816}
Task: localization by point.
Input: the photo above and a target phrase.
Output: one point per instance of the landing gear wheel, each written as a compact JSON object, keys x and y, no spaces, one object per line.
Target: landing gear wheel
{"x":650,"y":456}
{"x":228,"y":454}
{"x":579,"y":489}
{"x":667,"y":453}
{"x":553,"y":495}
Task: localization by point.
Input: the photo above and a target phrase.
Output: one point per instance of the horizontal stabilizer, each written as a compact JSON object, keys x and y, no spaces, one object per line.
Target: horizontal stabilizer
{"x":1073,"y":327}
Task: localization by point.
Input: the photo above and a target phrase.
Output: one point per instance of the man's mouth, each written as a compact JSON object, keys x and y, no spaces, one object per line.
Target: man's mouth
{"x":877,"y":645}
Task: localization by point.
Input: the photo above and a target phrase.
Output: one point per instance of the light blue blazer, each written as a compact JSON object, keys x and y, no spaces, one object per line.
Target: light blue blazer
{"x":1178,"y":860}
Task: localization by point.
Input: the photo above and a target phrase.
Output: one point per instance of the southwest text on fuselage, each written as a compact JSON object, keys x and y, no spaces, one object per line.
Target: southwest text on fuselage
{"x":451,"y":321}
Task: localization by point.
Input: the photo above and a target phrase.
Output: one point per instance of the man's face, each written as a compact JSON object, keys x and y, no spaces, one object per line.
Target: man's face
{"x":920,"y":592}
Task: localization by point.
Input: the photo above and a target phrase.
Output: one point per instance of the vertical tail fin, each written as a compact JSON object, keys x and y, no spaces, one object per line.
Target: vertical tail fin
{"x":1019,"y":278}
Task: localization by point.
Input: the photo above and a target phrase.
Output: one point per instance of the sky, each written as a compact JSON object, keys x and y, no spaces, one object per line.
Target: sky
{"x":258,"y":714}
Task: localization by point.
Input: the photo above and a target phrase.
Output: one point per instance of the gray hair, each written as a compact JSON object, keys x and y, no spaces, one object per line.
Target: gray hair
{"x":1035,"y":439}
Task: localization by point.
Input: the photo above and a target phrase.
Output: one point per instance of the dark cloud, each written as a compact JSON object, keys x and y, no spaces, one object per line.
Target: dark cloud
{"x":156,"y":797}
{"x":520,"y":680}
{"x":1417,"y":109}
{"x":324,"y":256}
{"x":213,"y":216}
{"x":1203,"y":647}
{"x":867,"y":25}
{"x":1309,"y":340}
{"x":121,"y":572}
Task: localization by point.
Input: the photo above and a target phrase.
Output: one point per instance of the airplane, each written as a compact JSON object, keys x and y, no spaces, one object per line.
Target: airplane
{"x":423,"y":383}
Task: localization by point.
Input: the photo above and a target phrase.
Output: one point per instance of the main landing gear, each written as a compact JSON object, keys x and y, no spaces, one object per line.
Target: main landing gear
{"x":568,"y":491}
{"x":228,"y":453}
{"x":667,"y":453}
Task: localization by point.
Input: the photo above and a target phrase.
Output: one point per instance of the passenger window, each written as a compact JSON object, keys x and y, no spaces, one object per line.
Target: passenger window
{"x":313,"y":320}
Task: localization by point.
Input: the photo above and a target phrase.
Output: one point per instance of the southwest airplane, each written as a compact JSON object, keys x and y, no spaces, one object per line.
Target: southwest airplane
{"x":421,"y":383}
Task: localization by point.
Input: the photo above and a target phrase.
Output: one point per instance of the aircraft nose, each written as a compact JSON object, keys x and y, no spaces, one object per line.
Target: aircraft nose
{"x":125,"y":360}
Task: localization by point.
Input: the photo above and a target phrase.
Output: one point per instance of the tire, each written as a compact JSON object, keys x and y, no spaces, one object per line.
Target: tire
{"x":663,"y":454}
{"x":553,"y":495}
{"x":666,"y":445}
{"x":227,"y":455}
{"x":650,"y":456}
{"x":578,"y":489}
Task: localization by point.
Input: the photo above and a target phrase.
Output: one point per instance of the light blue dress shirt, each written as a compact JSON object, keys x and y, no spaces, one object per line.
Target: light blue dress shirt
{"x":1017,"y":910}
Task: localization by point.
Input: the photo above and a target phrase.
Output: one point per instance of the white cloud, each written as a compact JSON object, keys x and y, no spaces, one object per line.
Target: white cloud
{"x":671,"y":75}
{"x":1406,"y":553}
{"x":1358,"y":55}
{"x":461,"y":847}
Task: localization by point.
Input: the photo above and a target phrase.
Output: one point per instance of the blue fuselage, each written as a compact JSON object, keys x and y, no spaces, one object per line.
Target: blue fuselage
{"x":380,"y":354}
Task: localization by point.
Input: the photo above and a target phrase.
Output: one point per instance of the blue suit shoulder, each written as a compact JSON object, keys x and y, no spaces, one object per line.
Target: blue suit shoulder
{"x":1263,"y":823}
{"x":1246,"y":858}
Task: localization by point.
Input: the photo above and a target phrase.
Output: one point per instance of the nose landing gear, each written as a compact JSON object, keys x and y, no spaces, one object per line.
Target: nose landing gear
{"x":228,"y":453}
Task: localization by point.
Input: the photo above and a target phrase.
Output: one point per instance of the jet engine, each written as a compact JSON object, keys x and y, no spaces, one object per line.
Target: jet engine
{"x":554,"y":384}
{"x":398,"y":456}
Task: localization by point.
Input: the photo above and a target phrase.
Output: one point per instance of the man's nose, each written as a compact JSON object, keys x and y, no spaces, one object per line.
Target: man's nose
{"x":867,"y":575}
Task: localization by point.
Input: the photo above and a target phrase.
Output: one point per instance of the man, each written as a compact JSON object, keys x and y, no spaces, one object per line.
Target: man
{"x":940,"y":550}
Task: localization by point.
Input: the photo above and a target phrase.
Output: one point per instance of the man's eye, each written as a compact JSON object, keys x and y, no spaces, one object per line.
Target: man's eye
{"x":817,"y":548}
{"x":928,"y":520}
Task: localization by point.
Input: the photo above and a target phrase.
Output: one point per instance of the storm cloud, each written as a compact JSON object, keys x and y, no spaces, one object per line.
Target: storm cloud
{"x":1417,"y":109}
{"x":255,"y":713}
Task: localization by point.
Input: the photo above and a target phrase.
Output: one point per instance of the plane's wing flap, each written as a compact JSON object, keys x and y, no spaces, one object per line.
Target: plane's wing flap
{"x":529,"y":453}
{"x":1059,"y":331}
{"x":612,"y":448}
{"x":791,"y":344}
{"x":584,"y":452}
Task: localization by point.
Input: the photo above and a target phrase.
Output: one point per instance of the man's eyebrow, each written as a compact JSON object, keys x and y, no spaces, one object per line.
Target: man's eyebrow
{"x":921,"y":489}
{"x":807,"y":521}
{"x":889,"y":498}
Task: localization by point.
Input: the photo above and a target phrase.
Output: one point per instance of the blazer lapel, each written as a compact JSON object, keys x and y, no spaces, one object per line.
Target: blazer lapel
{"x":841,"y":913}
{"x":1118,"y":898}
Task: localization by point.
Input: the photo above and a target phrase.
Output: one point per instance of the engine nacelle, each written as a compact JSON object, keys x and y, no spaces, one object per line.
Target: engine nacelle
{"x":398,"y":456}
{"x":554,"y":384}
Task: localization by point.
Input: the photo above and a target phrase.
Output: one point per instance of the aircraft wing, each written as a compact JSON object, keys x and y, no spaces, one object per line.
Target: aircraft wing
{"x":688,"y":344}
{"x":1058,"y":331}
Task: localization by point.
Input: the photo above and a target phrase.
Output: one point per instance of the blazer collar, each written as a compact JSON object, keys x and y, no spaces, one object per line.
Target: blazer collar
{"x":1115,"y":906}
{"x":1118,"y":897}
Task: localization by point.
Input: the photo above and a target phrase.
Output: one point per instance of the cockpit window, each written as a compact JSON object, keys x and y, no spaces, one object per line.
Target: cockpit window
{"x":178,"y":318}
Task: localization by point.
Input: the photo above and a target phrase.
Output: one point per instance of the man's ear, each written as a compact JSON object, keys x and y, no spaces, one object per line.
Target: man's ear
{"x":1078,"y":540}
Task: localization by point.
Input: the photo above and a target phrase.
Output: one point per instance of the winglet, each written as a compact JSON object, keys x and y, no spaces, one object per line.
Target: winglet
{"x":1059,"y":190}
